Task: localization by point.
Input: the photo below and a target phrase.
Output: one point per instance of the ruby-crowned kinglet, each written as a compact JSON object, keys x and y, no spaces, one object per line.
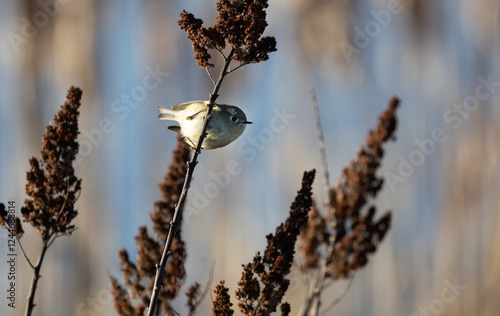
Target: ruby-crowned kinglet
{"x":226,"y":124}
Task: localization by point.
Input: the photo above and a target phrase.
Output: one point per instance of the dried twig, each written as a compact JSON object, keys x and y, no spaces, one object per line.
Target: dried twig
{"x":25,"y":254}
{"x":321,"y":145}
{"x":237,"y":67}
{"x":34,"y":281}
{"x":210,"y":75}
{"x":187,"y":182}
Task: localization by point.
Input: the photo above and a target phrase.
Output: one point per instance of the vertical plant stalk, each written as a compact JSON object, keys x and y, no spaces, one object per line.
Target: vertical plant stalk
{"x":311,"y":307}
{"x":321,"y":145}
{"x":187,"y":182}
{"x":313,"y":304}
{"x":34,"y":279}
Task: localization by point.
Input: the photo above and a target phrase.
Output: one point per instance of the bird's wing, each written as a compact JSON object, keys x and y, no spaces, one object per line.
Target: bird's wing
{"x":183,"y":106}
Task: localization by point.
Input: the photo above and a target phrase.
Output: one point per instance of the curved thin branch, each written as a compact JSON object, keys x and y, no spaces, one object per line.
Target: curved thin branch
{"x":221,"y":53}
{"x":210,"y":75}
{"x":340,"y":297}
{"x":25,"y":254}
{"x":237,"y":67}
{"x":209,"y":282}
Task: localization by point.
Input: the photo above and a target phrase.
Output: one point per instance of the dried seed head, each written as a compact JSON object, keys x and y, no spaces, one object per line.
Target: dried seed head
{"x":240,"y":23}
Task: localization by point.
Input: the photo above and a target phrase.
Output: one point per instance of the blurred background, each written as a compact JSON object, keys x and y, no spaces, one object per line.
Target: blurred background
{"x":442,"y":58}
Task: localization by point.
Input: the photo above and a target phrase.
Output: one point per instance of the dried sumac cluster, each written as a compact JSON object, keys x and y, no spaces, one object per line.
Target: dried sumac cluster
{"x":356,"y":232}
{"x":51,"y":185}
{"x":264,"y":280}
{"x":240,"y":24}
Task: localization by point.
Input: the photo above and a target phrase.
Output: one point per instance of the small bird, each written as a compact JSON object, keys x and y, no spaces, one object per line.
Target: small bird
{"x":226,"y":124}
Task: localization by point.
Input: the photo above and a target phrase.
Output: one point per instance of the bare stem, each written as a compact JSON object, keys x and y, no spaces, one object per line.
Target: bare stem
{"x":210,"y":75}
{"x":34,"y":280}
{"x":313,"y":302}
{"x":25,"y":254}
{"x":237,"y":67}
{"x":321,"y":145}
{"x":180,"y":205}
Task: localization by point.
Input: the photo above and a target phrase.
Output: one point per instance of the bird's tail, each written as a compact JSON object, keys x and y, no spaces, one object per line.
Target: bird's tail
{"x":166,"y":114}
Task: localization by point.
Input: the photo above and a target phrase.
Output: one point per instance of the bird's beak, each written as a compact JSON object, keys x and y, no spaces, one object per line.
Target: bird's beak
{"x":247,"y":122}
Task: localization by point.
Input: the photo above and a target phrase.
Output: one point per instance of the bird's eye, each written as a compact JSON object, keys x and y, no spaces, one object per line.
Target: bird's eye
{"x":233,"y":119}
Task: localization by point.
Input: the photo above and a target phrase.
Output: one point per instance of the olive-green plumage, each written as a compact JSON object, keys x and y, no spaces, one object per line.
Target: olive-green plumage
{"x":226,"y":124}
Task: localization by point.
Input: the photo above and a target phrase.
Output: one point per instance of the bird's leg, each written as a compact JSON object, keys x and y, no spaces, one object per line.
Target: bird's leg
{"x":194,"y":115}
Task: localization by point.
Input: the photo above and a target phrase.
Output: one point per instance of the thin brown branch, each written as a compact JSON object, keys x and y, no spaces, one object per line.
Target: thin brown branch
{"x":210,"y":75}
{"x":172,"y":310}
{"x":34,"y":280}
{"x":221,"y":53}
{"x":25,"y":254}
{"x":187,"y":182}
{"x":237,"y":67}
{"x":51,"y":239}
